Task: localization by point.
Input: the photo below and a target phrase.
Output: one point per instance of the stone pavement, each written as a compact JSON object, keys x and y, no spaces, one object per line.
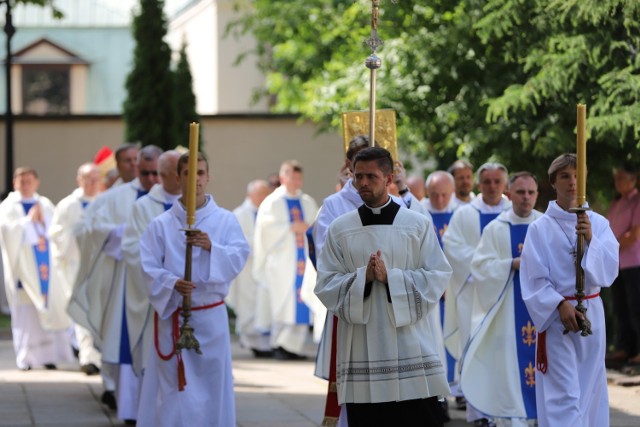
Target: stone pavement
{"x":269,"y":393}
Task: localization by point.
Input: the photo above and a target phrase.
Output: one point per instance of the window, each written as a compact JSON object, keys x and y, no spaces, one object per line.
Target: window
{"x":46,"y":89}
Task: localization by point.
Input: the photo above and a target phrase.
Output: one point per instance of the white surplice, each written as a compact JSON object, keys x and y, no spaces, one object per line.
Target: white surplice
{"x":386,"y":350}
{"x":491,"y":356}
{"x":38,"y":321}
{"x":65,"y":256}
{"x":244,"y":289}
{"x":573,"y":391}
{"x":139,"y":311}
{"x":460,"y":242}
{"x":208,"y":398}
{"x":98,"y":300}
{"x":275,"y":265}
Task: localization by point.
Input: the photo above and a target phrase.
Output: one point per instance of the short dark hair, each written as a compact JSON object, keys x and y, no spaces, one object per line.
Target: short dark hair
{"x":561,"y":162}
{"x":523,"y":174}
{"x":125,"y":147}
{"x":629,"y":169}
{"x":25,"y":170}
{"x":459,"y":165}
{"x":184,"y":161}
{"x":356,"y":144}
{"x":379,"y":154}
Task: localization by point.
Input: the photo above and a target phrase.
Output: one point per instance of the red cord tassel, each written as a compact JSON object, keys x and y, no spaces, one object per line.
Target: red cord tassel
{"x":332,"y":408}
{"x":541,"y":352}
{"x":182,"y":379}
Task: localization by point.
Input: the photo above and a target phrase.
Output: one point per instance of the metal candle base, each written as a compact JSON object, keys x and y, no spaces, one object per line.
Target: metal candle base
{"x":187,"y":339}
{"x":584,"y":325}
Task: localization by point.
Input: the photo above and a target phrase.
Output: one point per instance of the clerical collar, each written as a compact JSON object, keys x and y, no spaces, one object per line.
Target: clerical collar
{"x":378,"y":210}
{"x":383,"y":215}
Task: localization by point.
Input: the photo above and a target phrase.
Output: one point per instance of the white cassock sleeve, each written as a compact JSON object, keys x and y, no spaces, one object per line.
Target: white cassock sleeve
{"x":491,"y":266}
{"x":424,"y":281}
{"x":538,"y":292}
{"x":162,"y":253}
{"x":601,"y":256}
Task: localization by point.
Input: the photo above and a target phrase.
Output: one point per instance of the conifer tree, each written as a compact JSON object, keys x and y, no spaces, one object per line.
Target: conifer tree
{"x":184,"y":98}
{"x":149,"y":109}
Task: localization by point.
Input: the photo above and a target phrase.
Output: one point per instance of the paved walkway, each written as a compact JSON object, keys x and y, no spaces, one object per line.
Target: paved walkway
{"x":269,"y":393}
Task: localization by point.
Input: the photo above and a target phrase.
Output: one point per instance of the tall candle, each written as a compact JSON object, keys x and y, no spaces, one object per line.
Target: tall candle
{"x":194,"y":129}
{"x":581,"y":154}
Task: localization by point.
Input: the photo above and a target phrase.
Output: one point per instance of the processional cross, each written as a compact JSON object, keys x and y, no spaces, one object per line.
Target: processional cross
{"x":373,"y":62}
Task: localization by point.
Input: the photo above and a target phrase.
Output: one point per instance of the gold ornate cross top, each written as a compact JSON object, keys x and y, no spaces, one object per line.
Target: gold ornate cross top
{"x":373,"y":63}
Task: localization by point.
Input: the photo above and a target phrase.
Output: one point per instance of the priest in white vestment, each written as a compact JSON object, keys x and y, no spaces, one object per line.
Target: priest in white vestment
{"x":571,"y":380}
{"x":36,"y":297}
{"x":440,"y":186}
{"x":242,"y":296}
{"x":280,"y":252}
{"x":63,"y":233}
{"x":219,"y":254}
{"x":460,"y":242}
{"x":381,"y":271}
{"x":462,"y":172}
{"x":501,"y":350}
{"x":99,"y":298}
{"x":139,"y":312}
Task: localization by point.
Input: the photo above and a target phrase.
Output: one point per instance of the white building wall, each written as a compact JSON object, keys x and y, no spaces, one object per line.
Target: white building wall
{"x":221,"y":87}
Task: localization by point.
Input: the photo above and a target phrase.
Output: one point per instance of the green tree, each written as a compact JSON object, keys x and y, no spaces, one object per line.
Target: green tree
{"x":481,"y":79}
{"x":149,"y":110}
{"x":184,"y":98}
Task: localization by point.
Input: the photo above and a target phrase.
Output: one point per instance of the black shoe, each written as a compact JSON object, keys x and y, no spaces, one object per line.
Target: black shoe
{"x":50,"y":366}
{"x":483,"y":422}
{"x":282,"y":354}
{"x":109,"y":399}
{"x":461,"y":403}
{"x":262,"y":354}
{"x":444,"y":411}
{"x":130,"y":422}
{"x":90,"y":369}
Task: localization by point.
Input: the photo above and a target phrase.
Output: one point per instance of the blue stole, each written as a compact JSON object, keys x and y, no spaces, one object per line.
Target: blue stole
{"x":84,"y":204}
{"x":526,"y":344}
{"x":295,"y":214}
{"x":312,"y":245}
{"x":485,"y":219}
{"x":125,"y":348}
{"x":167,"y":206}
{"x":41,"y":254}
{"x":441,"y":222}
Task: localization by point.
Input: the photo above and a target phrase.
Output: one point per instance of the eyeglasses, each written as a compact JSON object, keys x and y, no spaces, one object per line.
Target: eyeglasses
{"x":147,"y":173}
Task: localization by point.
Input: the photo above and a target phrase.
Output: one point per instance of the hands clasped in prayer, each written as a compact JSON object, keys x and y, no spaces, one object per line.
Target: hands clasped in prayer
{"x":376,"y":268}
{"x":35,"y":213}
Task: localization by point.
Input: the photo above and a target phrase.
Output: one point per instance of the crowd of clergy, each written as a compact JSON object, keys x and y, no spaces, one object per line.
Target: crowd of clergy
{"x":419,"y":294}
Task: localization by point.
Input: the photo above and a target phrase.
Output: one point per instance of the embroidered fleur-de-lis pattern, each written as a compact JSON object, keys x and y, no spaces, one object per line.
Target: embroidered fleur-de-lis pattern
{"x":529,"y":375}
{"x":529,"y":334}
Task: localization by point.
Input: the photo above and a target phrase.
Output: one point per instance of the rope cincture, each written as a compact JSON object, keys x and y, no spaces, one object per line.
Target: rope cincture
{"x":175,"y":329}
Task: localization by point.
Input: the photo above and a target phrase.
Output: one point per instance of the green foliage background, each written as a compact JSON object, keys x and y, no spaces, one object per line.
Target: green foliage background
{"x":478,"y":79}
{"x":159,"y":100}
